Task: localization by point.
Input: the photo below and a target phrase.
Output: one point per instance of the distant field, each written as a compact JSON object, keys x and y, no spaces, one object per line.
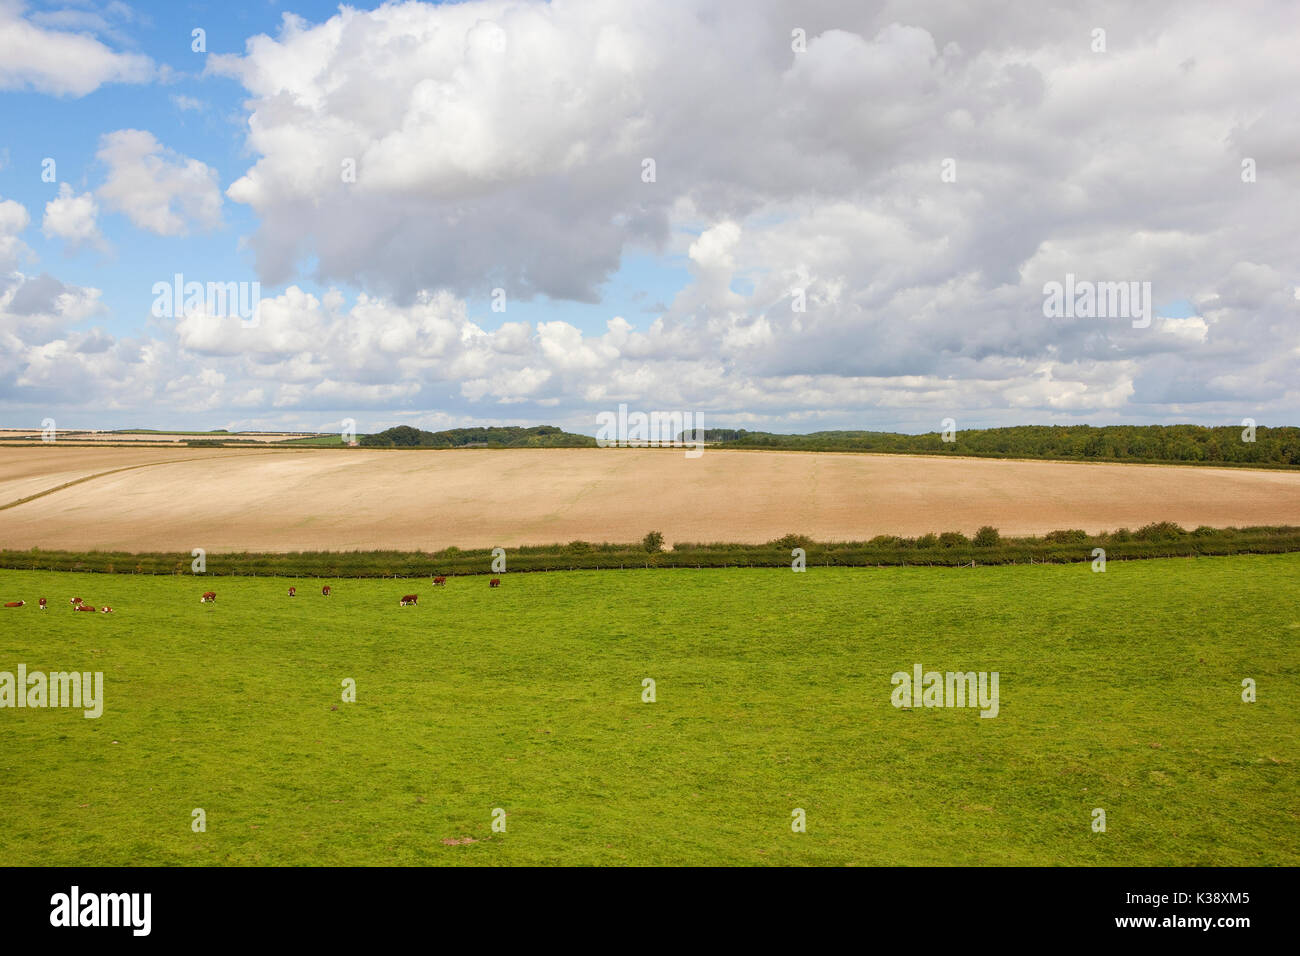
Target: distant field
{"x":144,"y":435}
{"x":284,"y":499}
{"x":1119,"y":690}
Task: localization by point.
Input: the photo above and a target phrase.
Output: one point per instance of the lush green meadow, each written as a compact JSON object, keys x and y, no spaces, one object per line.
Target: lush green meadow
{"x":1119,"y":690}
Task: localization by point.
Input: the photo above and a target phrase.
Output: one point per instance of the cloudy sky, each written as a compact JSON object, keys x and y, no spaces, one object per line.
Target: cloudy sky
{"x":778,"y":215}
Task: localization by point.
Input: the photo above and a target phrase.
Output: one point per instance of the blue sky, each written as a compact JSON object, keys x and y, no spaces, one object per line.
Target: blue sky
{"x":200,"y":115}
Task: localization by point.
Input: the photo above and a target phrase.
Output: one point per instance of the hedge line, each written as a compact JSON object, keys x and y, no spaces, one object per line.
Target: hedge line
{"x":1162,"y":540}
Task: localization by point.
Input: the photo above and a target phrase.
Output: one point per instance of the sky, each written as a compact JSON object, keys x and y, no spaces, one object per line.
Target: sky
{"x":787,"y":216}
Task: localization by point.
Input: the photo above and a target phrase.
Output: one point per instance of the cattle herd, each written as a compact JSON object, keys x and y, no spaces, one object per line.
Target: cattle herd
{"x":210,"y":597}
{"x":77,"y":605}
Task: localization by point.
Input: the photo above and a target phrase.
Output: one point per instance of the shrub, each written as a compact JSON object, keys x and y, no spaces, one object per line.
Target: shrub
{"x":987,"y":537}
{"x":927,"y":541}
{"x":1159,"y":531}
{"x":579,"y":547}
{"x":653,"y":542}
{"x":1069,"y":536}
{"x":790,"y":541}
{"x":886,"y":541}
{"x":1205,"y":531}
{"x":953,"y":539}
{"x":1121,"y":534}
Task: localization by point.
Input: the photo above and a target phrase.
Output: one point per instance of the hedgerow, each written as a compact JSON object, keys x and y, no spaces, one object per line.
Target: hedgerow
{"x":951,"y":549}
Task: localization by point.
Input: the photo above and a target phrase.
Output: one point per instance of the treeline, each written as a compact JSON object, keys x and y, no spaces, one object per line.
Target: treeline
{"x":951,"y":549}
{"x":510,"y":436}
{"x":1190,"y":444}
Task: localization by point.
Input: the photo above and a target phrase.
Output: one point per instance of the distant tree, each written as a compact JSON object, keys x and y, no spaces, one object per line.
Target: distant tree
{"x":987,"y":537}
{"x":953,"y":539}
{"x":653,"y":542}
{"x":1159,"y":531}
{"x":1068,"y":536}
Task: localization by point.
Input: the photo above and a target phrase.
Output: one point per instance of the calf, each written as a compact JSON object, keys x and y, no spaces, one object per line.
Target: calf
{"x":440,"y":581}
{"x":292,"y":591}
{"x":325,"y":590}
{"x":85,"y":607}
{"x":408,"y":599}
{"x":207,"y":596}
{"x":106,"y":609}
{"x":14,"y":603}
{"x":42,"y":604}
{"x":494,"y":583}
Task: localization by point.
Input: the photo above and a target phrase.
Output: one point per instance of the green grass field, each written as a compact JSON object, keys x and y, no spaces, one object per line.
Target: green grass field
{"x":1119,"y":690}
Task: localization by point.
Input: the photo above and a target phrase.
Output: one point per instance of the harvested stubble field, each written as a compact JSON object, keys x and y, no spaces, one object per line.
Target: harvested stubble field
{"x":359,"y":499}
{"x":1120,"y":691}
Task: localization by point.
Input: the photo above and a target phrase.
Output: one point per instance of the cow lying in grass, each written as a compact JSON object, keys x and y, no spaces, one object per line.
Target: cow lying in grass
{"x":85,"y":607}
{"x":14,"y":603}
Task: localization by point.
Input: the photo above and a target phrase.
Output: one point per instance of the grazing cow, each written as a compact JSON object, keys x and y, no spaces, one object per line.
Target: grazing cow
{"x":494,"y":583}
{"x":440,"y":581}
{"x":42,"y":602}
{"x":85,"y":607}
{"x":292,"y":592}
{"x":14,"y":603}
{"x":409,"y":599}
{"x":208,"y":596}
{"x":325,"y":590}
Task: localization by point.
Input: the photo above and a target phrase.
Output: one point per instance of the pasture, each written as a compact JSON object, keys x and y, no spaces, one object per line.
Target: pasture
{"x":1119,"y":691}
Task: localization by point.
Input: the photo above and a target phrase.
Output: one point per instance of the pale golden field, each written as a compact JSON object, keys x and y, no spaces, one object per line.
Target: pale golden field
{"x":116,"y":438}
{"x":138,"y":499}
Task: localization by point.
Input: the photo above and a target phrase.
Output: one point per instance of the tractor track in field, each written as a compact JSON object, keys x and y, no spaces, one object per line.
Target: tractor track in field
{"x":101,"y":474}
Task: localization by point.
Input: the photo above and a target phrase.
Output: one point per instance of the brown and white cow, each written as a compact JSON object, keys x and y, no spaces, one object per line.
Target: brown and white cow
{"x":208,"y":596}
{"x":440,"y":581}
{"x":409,"y":599}
{"x":326,"y":590}
{"x":14,"y":603}
{"x":494,"y":583}
{"x":292,"y":592}
{"x":75,"y":601}
{"x":42,"y":604}
{"x":85,"y":607}
{"x":106,"y":609}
